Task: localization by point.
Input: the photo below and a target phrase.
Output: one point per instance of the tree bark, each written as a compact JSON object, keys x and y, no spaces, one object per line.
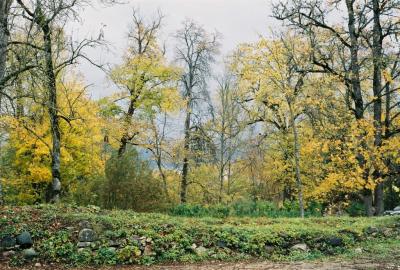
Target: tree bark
{"x":4,"y":36}
{"x":185,"y":168}
{"x":55,"y":187}
{"x":355,"y":66}
{"x":377,"y":89}
{"x":128,"y":119}
{"x":297,"y":160}
{"x":222,"y":159}
{"x":356,"y":91}
{"x":4,"y":8}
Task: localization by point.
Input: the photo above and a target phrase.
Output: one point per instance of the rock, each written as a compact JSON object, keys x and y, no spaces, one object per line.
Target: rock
{"x":397,"y":208}
{"x":83,"y":244}
{"x":300,"y":247}
{"x":335,"y":242}
{"x":358,"y":250}
{"x":221,"y":244}
{"x":8,"y":254}
{"x":24,"y":240}
{"x":87,"y":235}
{"x":371,"y":230}
{"x":7,"y":242}
{"x":84,"y":224}
{"x":114,"y":243}
{"x":148,"y":250}
{"x":269,"y":249}
{"x":193,"y":247}
{"x":392,"y":213}
{"x":38,"y":265}
{"x":200,"y":251}
{"x":29,"y":253}
{"x":137,"y":240}
{"x":387,"y":232}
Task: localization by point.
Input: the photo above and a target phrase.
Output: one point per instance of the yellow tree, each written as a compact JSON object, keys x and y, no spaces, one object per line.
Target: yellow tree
{"x":274,"y":75}
{"x":29,"y":145}
{"x":145,"y":78}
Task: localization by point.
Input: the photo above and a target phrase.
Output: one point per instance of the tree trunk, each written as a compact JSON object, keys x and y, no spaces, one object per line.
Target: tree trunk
{"x":297,"y":160}
{"x":367,"y":198}
{"x":125,"y":137}
{"x":4,"y":35}
{"x":55,"y":187}
{"x":221,"y":161}
{"x":356,"y":91}
{"x":379,"y":199}
{"x":163,"y":177}
{"x":185,"y":168}
{"x":355,"y":66}
{"x":377,"y":89}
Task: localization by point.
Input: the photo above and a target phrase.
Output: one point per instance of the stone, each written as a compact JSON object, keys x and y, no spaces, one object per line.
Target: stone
{"x":137,"y":240}
{"x":335,"y":241}
{"x":24,"y":239}
{"x":7,"y":242}
{"x":387,"y":232}
{"x":193,"y":247}
{"x":371,"y":230}
{"x":38,"y":265}
{"x":269,"y":249}
{"x":221,"y":244}
{"x":397,"y":208}
{"x":300,"y":247}
{"x":114,"y":243}
{"x":29,"y":253}
{"x":83,"y":244}
{"x":8,"y":254}
{"x":358,"y":250}
{"x":87,"y":235}
{"x":148,"y":250}
{"x":200,"y":251}
{"x":84,"y":224}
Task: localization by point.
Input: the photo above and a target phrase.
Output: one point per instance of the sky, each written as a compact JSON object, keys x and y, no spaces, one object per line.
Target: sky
{"x":237,"y":21}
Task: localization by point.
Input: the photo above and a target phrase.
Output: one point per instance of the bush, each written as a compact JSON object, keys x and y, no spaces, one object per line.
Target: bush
{"x":245,"y":208}
{"x":128,"y":184}
{"x":356,"y":209}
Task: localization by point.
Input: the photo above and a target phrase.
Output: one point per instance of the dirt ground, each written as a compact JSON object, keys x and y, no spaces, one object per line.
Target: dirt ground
{"x":238,"y":266}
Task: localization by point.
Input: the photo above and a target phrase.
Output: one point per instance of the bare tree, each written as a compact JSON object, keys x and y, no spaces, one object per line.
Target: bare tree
{"x":157,"y":148}
{"x":195,"y":50}
{"x":227,"y":127}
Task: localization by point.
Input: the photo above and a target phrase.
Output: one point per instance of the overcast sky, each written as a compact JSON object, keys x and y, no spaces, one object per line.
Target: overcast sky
{"x":237,"y":20}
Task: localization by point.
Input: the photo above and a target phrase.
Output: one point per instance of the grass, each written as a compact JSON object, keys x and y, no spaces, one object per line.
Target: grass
{"x":171,"y":238}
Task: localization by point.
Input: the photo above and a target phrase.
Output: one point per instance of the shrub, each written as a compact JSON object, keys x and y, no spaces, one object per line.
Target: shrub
{"x":245,"y":208}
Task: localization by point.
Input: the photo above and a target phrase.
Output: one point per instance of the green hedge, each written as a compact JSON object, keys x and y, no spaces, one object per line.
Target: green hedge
{"x":246,"y":209}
